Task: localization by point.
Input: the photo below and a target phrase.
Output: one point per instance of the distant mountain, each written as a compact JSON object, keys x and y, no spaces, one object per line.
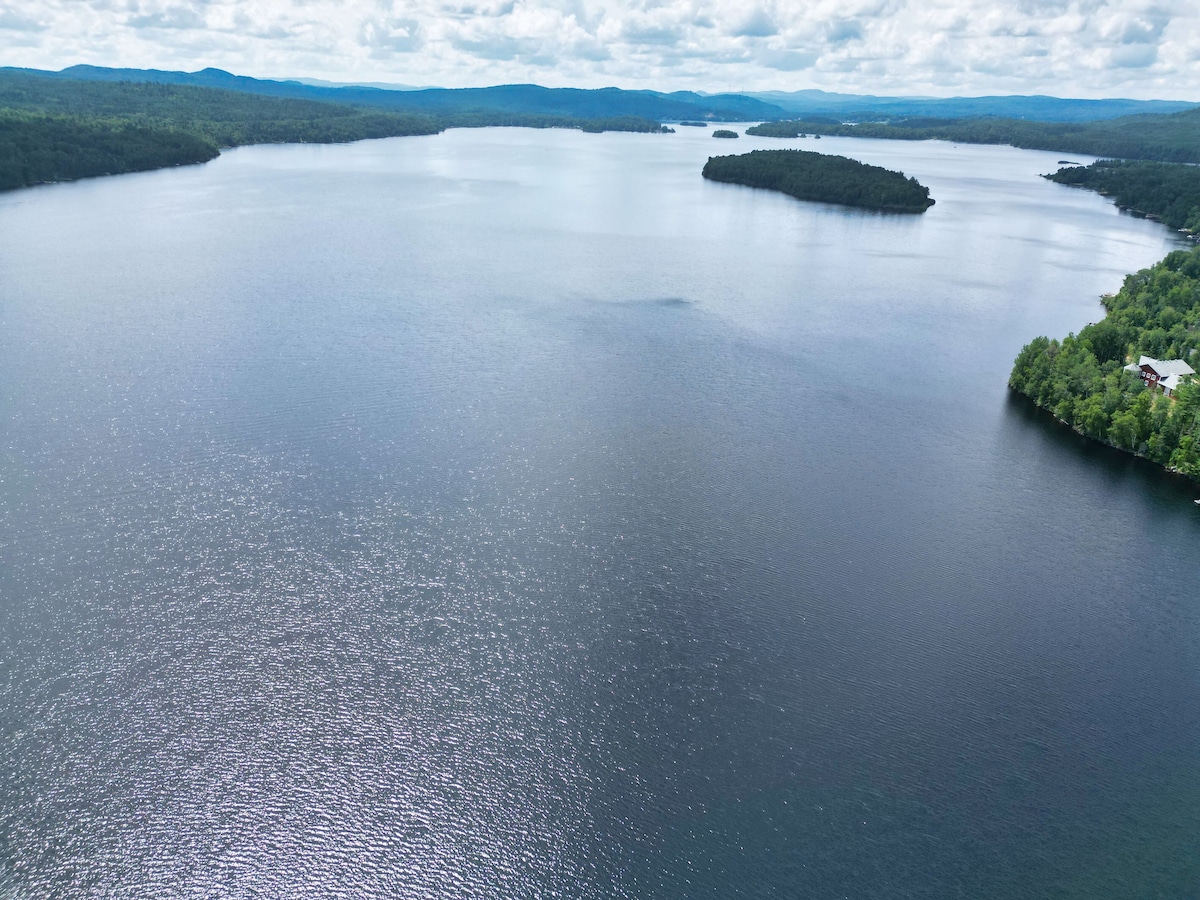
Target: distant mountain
{"x":533,"y":100}
{"x":863,"y":107}
{"x":380,"y":85}
{"x":516,"y":99}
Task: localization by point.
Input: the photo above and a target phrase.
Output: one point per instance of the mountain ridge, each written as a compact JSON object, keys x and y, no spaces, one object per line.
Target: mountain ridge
{"x":1035,"y":107}
{"x":527,"y":99}
{"x":663,"y":106}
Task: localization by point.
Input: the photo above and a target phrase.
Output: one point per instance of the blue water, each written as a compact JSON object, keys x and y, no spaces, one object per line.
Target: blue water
{"x":513,"y":513}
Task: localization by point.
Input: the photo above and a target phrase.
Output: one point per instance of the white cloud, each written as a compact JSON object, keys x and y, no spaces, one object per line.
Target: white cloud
{"x":758,"y":23}
{"x":1138,"y":48}
{"x":388,"y":35}
{"x":1134,"y":56}
{"x":14,"y":20}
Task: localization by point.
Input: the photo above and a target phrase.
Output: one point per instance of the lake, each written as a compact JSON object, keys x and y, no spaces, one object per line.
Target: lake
{"x":513,"y":513}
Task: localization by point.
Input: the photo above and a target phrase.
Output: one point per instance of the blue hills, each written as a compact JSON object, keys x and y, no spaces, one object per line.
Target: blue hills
{"x":532,"y":99}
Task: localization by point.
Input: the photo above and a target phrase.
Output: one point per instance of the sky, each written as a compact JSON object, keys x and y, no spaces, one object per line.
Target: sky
{"x":1066,"y":48}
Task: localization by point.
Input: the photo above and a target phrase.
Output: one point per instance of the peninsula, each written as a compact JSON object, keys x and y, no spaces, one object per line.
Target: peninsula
{"x":1169,"y":192}
{"x":1084,"y":380}
{"x":822,"y":178}
{"x":1129,"y":380}
{"x":1169,"y":138}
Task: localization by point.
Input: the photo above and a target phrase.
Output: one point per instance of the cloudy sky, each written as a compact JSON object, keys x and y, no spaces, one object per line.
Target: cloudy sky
{"x":1081,"y":48}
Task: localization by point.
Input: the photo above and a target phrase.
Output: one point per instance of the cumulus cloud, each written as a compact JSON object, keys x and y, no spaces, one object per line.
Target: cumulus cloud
{"x":389,"y":35}
{"x":634,"y":32}
{"x":841,"y":30}
{"x":170,"y":17}
{"x":13,"y":20}
{"x":1068,"y":47}
{"x":757,"y":24}
{"x":788,"y":60}
{"x":1134,"y":56}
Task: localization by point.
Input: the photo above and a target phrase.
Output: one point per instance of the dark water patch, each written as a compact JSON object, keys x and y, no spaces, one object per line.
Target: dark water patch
{"x":1109,"y":464}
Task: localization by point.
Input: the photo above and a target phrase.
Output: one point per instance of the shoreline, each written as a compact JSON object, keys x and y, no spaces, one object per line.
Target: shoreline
{"x":1049,"y":413}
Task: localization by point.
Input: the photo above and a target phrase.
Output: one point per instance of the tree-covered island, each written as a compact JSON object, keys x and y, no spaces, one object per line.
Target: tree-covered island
{"x":822,"y":178}
{"x":724,"y":133}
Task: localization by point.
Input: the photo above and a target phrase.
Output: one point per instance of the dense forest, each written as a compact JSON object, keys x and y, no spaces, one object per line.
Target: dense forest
{"x":59,"y":129}
{"x":1166,"y":191}
{"x":724,"y":133}
{"x":36,"y":148}
{"x":1082,"y":379}
{"x":822,"y":178}
{"x":507,"y":99}
{"x":226,"y":118}
{"x":1167,"y":138}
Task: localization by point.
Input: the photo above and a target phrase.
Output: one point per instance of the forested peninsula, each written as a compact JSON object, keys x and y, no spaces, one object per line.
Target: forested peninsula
{"x":822,"y":178}
{"x":1167,"y":138}
{"x":1082,"y":379}
{"x":1164,"y":191}
{"x":60,"y":129}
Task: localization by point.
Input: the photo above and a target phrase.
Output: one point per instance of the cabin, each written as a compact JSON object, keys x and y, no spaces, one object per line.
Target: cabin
{"x":1164,"y":374}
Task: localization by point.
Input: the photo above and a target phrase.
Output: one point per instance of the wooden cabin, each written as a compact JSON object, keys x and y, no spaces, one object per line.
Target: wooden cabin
{"x":1162,"y":374}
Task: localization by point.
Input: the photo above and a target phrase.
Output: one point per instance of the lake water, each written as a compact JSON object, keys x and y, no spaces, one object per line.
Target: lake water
{"x":513,"y":513}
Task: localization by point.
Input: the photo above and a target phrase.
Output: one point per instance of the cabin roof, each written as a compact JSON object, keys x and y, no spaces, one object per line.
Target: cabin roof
{"x":1162,"y":367}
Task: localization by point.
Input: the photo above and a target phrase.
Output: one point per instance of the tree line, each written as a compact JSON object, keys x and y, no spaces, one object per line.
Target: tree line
{"x":36,"y":148}
{"x":1166,"y":138}
{"x":531,"y":99}
{"x":1166,"y":191}
{"x":1082,"y":380}
{"x":822,"y":178}
{"x":59,"y":129}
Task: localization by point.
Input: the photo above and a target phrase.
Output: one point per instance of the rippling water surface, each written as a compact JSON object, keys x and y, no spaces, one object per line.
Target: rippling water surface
{"x":512,"y":513}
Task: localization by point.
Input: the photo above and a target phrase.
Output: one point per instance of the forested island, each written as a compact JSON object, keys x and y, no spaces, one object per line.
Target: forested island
{"x":1082,"y":379}
{"x":1168,"y":138}
{"x":724,"y":133}
{"x":822,"y":178}
{"x":1164,"y":191}
{"x":60,"y":129}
